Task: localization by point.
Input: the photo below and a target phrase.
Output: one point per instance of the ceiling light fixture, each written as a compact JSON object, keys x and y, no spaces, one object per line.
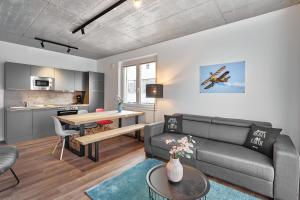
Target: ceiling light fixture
{"x":137,"y":3}
{"x":56,"y":43}
{"x":107,"y":10}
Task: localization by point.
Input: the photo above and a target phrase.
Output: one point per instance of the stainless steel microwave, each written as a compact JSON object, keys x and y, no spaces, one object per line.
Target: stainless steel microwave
{"x":42,"y":83}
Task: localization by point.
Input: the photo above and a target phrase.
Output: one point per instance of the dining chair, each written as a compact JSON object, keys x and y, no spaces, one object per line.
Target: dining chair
{"x":8,"y":157}
{"x":62,"y":135}
{"x":103,"y":123}
{"x":90,"y":126}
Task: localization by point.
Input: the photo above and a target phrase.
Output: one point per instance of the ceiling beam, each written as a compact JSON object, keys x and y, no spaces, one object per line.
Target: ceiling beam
{"x":81,"y":27}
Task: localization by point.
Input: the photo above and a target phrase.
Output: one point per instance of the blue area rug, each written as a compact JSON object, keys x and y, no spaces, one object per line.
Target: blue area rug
{"x":132,"y":185}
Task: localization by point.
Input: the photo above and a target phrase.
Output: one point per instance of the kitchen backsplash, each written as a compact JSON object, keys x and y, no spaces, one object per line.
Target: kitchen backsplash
{"x":17,"y":98}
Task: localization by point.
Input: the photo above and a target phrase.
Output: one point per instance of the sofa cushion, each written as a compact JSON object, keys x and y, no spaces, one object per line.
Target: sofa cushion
{"x":261,"y":139}
{"x":237,"y":158}
{"x":173,"y":124}
{"x":233,"y":131}
{"x":160,"y":141}
{"x":196,"y":125}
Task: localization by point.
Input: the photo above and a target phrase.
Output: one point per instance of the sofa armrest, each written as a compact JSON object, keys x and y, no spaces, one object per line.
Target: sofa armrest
{"x":286,"y":166}
{"x":151,"y":130}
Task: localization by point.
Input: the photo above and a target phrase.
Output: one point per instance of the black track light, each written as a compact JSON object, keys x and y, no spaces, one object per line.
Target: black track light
{"x":107,"y":10}
{"x":56,"y":43}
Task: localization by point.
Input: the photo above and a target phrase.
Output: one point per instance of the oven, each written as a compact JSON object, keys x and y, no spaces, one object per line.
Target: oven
{"x":67,"y":111}
{"x":42,"y":83}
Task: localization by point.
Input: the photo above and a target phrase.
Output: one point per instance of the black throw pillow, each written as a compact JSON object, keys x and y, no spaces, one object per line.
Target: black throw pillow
{"x":173,"y":123}
{"x":261,"y":139}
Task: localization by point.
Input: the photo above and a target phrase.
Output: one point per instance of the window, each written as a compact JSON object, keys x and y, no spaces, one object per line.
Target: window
{"x":148,"y":76}
{"x":135,"y":78}
{"x":129,"y":95}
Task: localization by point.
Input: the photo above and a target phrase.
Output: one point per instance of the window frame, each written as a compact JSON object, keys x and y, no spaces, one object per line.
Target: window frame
{"x":138,"y":64}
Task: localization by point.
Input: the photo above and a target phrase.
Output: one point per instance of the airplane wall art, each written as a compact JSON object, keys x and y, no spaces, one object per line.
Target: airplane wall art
{"x":223,"y":78}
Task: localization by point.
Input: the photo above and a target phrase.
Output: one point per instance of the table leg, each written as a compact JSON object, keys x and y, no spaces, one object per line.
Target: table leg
{"x":81,"y":152}
{"x":94,"y":158}
{"x":67,"y":141}
{"x":137,"y":133}
{"x":81,"y":133}
{"x":120,"y":122}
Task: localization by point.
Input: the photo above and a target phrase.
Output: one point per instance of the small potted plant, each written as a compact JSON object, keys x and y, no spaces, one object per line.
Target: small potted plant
{"x":120,"y":103}
{"x":180,"y":148}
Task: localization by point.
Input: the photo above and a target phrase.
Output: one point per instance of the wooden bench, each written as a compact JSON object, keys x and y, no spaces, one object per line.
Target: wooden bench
{"x":100,"y":136}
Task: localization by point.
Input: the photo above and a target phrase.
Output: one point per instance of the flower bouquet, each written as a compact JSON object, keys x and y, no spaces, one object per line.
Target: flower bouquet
{"x":181,"y":148}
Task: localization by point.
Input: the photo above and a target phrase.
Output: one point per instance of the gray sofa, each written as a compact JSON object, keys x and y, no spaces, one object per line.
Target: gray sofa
{"x":219,"y":152}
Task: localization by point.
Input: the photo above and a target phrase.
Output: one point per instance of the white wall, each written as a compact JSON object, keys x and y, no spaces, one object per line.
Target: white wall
{"x":270,"y":45}
{"x":29,"y":55}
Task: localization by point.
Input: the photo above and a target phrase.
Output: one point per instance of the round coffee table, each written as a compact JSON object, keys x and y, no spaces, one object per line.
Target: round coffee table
{"x":194,"y":185}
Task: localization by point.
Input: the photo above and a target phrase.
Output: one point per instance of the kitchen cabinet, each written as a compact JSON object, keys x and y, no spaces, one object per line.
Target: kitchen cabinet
{"x":43,"y":125}
{"x":96,"y":91}
{"x":17,"y":76}
{"x":64,"y":80}
{"x":42,"y":71}
{"x":96,"y":100}
{"x":18,"y":126}
{"x":80,"y":81}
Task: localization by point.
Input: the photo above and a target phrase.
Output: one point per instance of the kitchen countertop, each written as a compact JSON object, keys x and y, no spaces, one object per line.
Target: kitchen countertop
{"x":43,"y":107}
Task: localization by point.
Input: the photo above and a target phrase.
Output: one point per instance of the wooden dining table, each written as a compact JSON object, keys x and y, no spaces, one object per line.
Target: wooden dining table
{"x":82,"y":119}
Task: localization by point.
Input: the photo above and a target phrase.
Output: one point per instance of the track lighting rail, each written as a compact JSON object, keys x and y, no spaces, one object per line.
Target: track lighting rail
{"x":56,"y":43}
{"x":81,"y":27}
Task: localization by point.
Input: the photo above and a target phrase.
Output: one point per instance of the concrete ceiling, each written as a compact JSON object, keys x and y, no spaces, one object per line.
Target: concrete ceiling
{"x":124,"y":28}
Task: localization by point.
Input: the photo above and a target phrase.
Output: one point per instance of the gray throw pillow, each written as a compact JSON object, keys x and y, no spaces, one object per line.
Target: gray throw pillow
{"x":262,"y":139}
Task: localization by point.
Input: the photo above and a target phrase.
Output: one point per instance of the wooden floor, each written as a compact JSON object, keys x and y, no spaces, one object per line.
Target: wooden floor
{"x":44,"y":177}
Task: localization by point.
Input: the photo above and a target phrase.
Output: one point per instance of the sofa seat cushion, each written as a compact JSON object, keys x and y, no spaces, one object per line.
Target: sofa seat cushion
{"x":237,"y":158}
{"x":160,"y":141}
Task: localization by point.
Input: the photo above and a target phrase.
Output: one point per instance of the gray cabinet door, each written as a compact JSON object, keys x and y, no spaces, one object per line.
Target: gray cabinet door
{"x":42,"y":71}
{"x":97,"y":85}
{"x":43,"y":124}
{"x":96,"y":76}
{"x":18,"y":126}
{"x":96,"y":91}
{"x":96,"y":100}
{"x":17,"y":76}
{"x":80,"y":80}
{"x":64,"y":80}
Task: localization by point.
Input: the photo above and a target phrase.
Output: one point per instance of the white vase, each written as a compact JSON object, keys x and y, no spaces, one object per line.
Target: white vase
{"x":174,"y":170}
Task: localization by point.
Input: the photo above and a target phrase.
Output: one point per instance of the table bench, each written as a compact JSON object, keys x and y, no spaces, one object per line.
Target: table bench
{"x":82,"y":119}
{"x":100,"y":136}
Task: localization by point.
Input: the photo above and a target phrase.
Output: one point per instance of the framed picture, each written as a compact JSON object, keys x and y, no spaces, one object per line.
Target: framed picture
{"x":223,"y":78}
